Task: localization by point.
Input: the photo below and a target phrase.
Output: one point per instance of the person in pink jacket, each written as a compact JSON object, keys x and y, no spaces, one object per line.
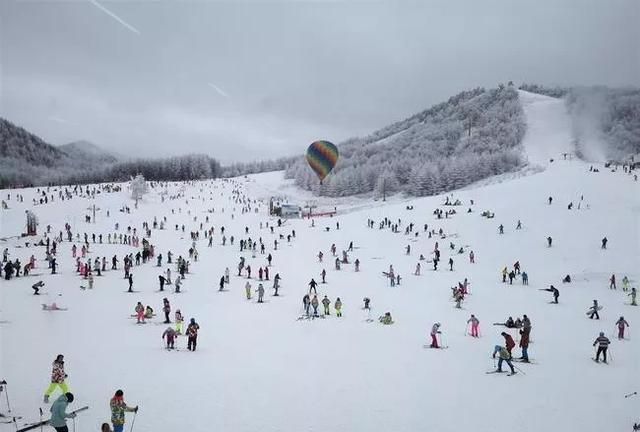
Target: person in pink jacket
{"x":475,"y":323}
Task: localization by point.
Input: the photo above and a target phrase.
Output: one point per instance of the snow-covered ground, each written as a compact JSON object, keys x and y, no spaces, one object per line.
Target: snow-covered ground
{"x":259,"y":368}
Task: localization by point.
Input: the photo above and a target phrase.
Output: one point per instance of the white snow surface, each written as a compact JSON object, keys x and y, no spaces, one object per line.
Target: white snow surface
{"x":548,"y":133}
{"x":258,"y":368}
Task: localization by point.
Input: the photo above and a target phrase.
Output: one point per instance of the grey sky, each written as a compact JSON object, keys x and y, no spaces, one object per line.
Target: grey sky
{"x":249,"y":80}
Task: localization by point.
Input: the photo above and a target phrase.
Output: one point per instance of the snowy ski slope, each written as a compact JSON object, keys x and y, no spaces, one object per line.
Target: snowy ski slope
{"x":258,"y":368}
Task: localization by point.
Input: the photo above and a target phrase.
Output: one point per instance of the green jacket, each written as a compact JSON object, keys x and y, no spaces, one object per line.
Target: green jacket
{"x":58,"y":414}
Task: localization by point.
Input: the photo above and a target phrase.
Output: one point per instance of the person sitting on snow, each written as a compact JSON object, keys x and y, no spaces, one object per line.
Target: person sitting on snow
{"x":386,"y":318}
{"x":148,"y":313}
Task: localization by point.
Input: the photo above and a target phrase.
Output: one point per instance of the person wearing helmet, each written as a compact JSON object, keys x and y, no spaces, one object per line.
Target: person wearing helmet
{"x":58,"y":412}
{"x":603,"y":343}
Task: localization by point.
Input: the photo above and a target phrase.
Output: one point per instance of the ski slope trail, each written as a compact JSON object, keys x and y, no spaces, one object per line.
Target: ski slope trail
{"x":258,"y":367}
{"x":548,"y":133}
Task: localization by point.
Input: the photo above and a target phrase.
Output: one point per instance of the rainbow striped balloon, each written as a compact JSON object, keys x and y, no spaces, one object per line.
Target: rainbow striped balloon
{"x":322,"y":157}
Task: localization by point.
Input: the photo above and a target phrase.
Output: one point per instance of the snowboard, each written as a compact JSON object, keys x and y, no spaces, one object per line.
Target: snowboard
{"x":591,"y":310}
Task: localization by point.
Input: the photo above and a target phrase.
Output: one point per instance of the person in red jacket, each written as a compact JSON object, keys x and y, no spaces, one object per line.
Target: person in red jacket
{"x":508,"y":342}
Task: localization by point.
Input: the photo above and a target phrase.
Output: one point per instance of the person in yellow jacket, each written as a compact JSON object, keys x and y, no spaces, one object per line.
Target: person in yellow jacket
{"x":118,"y":408}
{"x":338,"y":307}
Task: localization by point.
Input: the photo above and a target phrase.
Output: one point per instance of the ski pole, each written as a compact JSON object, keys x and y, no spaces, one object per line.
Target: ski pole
{"x":133,"y":422}
{"x":41,"y":426}
{"x":518,"y":369}
{"x":630,"y":394}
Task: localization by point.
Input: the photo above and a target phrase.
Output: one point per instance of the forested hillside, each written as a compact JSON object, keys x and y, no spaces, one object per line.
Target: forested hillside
{"x":473,"y":135}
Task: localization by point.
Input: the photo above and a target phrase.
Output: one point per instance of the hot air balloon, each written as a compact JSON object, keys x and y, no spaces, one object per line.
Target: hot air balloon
{"x":322,"y":157}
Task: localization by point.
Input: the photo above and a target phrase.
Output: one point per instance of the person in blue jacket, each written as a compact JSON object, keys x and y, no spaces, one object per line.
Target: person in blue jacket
{"x":58,"y":413}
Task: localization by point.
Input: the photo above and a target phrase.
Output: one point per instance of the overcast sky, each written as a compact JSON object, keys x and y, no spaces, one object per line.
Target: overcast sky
{"x":243,"y":80}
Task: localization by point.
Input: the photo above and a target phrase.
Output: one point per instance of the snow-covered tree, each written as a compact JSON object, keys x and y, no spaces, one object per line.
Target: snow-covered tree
{"x":138,"y":187}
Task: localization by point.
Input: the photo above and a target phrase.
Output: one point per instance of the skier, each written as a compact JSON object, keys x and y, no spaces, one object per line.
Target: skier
{"x":170,"y":336}
{"x":58,"y":413}
{"x":612,"y":282}
{"x":524,"y":343}
{"x":633,"y":297}
{"x":323,"y":274}
{"x":501,"y":229}
{"x":450,"y":264}
{"x":549,"y":241}
{"x":435,"y":330}
{"x":508,"y":341}
{"x":148,"y":312}
{"x":525,"y":278}
{"x":625,"y":283}
{"x":306,"y":303}
{"x":260,"y":292}
{"x":357,"y":264}
{"x":314,"y":304}
{"x":338,"y":307}
{"x":130,"y":282}
{"x":179,"y":321}
{"x":36,"y":287}
{"x":417,"y":272}
{"x":269,"y":258}
{"x":178,"y":283}
{"x":222,"y":283}
{"x":621,"y":323}
{"x":550,"y":200}
{"x":475,"y":323}
{"x":162,"y":282}
{"x":192,"y":334}
{"x":603,"y":343}
{"x":312,"y":286}
{"x":247,"y":289}
{"x":555,"y":293}
{"x":503,"y":356}
{"x":472,"y":257}
{"x":118,"y":408}
{"x":326,"y":302}
{"x":226,"y":275}
{"x":166,"y":308}
{"x":57,"y":378}
{"x":594,"y":310}
{"x":505,"y":272}
{"x":366,"y":301}
{"x":604,"y":243}
{"x":519,"y":225}
{"x":139,"y":313}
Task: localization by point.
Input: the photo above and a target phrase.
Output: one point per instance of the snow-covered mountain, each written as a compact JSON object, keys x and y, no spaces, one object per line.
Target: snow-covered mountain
{"x":259,"y":367}
{"x":473,"y":135}
{"x":87,"y":152}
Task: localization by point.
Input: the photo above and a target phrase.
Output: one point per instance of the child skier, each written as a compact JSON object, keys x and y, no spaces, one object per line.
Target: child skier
{"x":338,"y":307}
{"x":475,"y":323}
{"x":140,"y":313}
{"x":170,"y":336}
{"x":435,"y":330}
{"x":621,"y":323}
{"x":326,"y":302}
